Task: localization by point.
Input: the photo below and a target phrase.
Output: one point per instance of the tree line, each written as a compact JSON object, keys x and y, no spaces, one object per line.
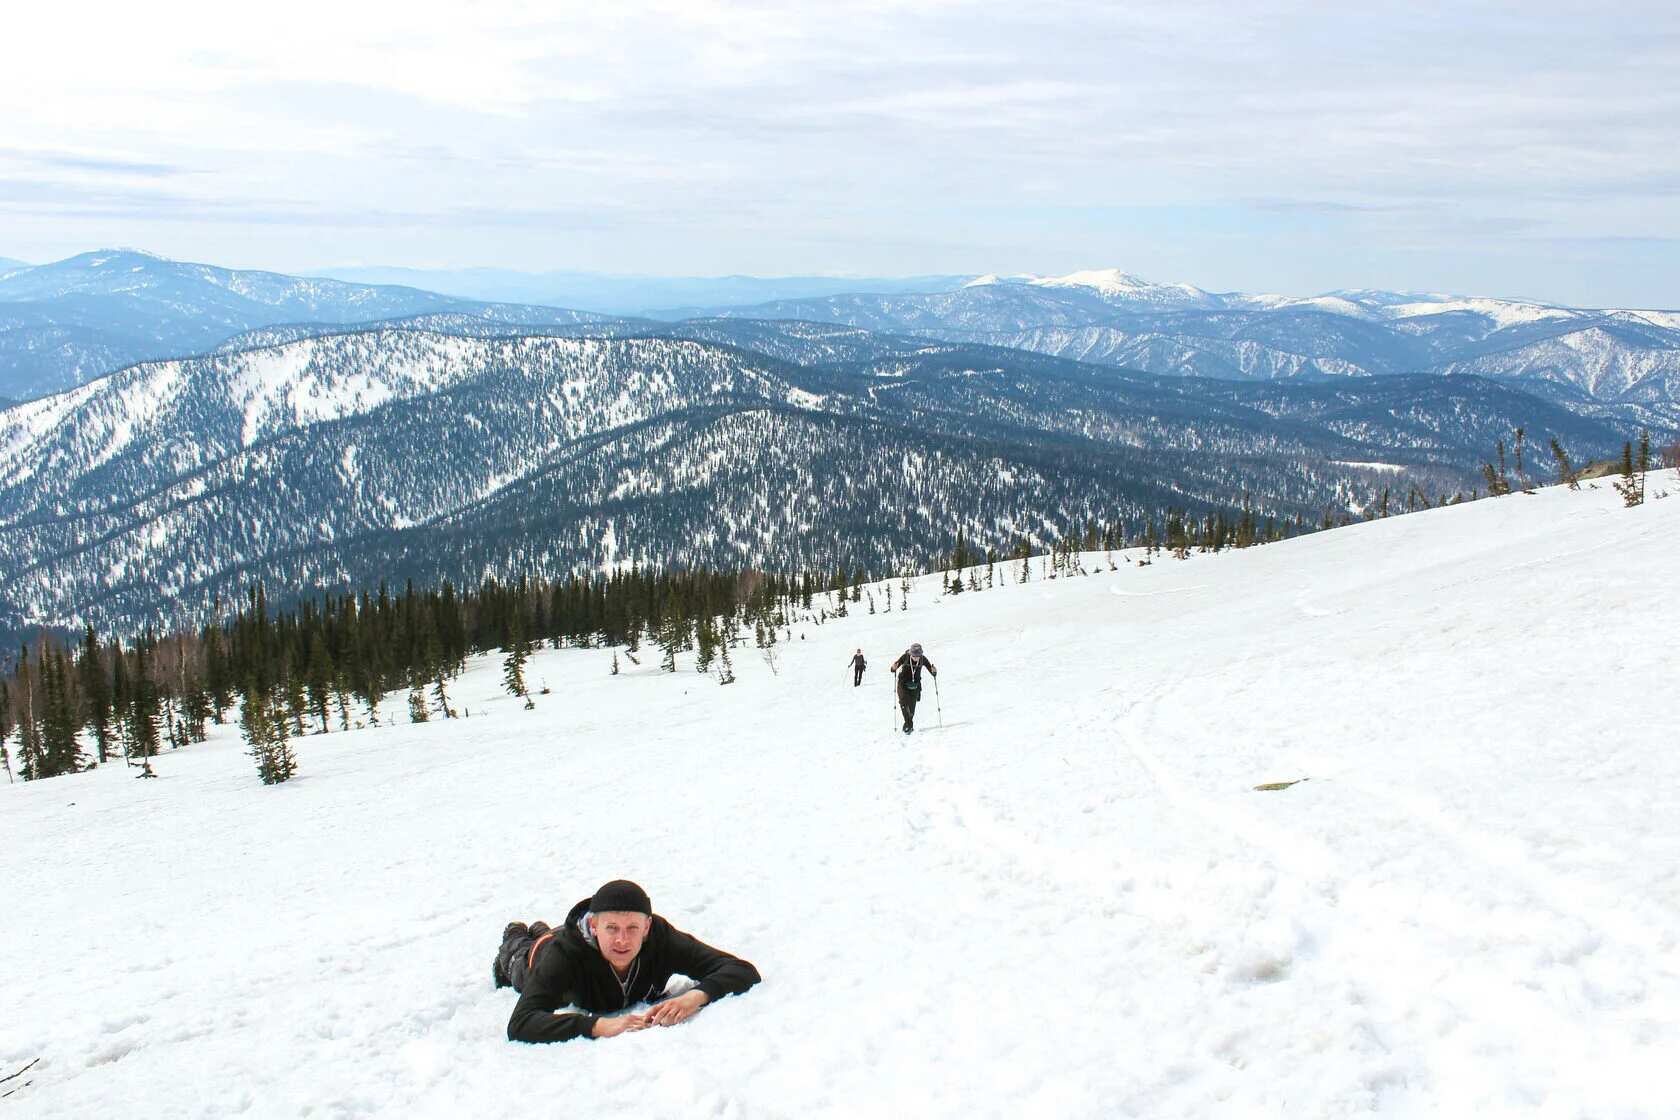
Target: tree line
{"x":328,"y":663}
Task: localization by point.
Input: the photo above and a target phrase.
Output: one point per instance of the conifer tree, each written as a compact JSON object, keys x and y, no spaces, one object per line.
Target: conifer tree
{"x":1567,"y":473}
{"x":30,"y":761}
{"x":673,"y":630}
{"x":1644,"y":463}
{"x":61,"y":752}
{"x":143,"y":707}
{"x":96,"y":692}
{"x":1498,"y":485}
{"x":418,"y":712}
{"x":318,"y":680}
{"x":265,"y":716}
{"x":291,"y":695}
{"x":706,"y":640}
{"x":6,"y":727}
{"x":1631,"y":487}
{"x":440,"y":698}
{"x":218,"y":680}
{"x":513,"y":665}
{"x":726,"y":667}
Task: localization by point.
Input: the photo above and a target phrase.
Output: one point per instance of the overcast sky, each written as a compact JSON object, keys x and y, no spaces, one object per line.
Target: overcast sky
{"x":1512,"y":149}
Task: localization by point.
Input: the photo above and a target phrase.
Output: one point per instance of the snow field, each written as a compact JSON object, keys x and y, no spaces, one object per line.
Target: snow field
{"x":1068,"y":900}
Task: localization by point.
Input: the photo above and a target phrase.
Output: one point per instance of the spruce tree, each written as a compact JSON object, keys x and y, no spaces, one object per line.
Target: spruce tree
{"x":1566,"y":471}
{"x":282,"y":763}
{"x":513,"y":665}
{"x":264,"y":715}
{"x":30,"y":761}
{"x":1498,"y":485}
{"x":292,"y":695}
{"x":218,"y":681}
{"x":63,"y":754}
{"x":5,"y":727}
{"x":96,"y":692}
{"x":417,"y":709}
{"x":318,"y":680}
{"x":1631,"y":485}
{"x":673,"y":631}
{"x":726,"y":667}
{"x":143,"y":709}
{"x":1644,"y":463}
{"x":706,"y":639}
{"x":121,"y":693}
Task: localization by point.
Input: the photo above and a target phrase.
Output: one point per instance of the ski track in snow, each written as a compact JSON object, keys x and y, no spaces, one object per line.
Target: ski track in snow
{"x":1067,"y":900}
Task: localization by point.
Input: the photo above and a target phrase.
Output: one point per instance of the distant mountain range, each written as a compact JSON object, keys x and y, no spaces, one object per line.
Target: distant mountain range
{"x":321,"y":434}
{"x":1613,"y":355}
{"x":337,"y":460}
{"x":633,"y":295}
{"x":66,"y":323}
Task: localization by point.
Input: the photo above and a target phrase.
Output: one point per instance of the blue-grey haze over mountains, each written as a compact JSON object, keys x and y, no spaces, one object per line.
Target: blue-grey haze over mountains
{"x":1290,"y":146}
{"x":333,"y":434}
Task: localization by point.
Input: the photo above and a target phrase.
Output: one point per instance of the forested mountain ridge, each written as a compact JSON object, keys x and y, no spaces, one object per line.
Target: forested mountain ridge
{"x":64,"y":323}
{"x":338,"y":460}
{"x":1613,"y":355}
{"x":68,"y":322}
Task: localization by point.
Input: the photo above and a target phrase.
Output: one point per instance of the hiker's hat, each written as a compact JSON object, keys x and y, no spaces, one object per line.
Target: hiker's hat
{"x":621,"y":895}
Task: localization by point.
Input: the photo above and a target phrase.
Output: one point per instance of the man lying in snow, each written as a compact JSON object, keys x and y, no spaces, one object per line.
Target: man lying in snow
{"x":611,"y":953}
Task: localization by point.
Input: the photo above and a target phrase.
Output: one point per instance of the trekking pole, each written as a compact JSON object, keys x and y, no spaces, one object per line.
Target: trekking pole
{"x":937,"y":706}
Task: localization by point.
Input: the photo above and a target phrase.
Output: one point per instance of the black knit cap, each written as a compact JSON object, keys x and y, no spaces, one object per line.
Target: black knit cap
{"x":621,"y":895}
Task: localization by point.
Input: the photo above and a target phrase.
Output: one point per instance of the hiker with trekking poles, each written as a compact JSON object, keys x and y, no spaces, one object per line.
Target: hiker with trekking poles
{"x":907,"y":672}
{"x":858,"y":666}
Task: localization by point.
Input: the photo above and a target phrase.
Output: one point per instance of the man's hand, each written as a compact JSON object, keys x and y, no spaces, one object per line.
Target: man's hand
{"x":674,"y":1011}
{"x":618,"y":1024}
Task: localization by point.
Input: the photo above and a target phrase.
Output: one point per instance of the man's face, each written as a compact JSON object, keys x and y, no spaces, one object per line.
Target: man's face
{"x":619,"y":935}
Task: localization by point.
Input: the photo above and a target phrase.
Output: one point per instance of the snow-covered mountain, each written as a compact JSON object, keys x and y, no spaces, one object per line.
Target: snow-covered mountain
{"x":1111,"y":317}
{"x":1467,"y":907}
{"x":616,"y":294}
{"x":65,"y":323}
{"x":1114,"y":287}
{"x":343,"y":459}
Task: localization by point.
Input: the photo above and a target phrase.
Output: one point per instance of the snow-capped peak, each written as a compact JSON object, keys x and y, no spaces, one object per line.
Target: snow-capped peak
{"x":992,"y":278}
{"x":1114,"y":285}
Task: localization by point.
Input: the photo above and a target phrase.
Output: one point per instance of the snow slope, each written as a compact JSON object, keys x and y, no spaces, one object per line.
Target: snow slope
{"x":1069,"y":900}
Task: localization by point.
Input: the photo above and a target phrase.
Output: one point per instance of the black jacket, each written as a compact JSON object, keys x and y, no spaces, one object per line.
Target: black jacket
{"x":569,"y":970}
{"x":909,"y":670}
{"x":858,"y":662}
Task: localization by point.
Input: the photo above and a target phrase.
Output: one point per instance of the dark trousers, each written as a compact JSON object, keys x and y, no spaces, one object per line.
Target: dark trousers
{"x":516,"y":956}
{"x":857,"y":676}
{"x":907,"y":698}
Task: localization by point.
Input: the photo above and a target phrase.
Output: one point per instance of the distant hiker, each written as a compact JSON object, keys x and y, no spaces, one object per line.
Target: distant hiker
{"x":858,"y":666}
{"x":909,"y":668}
{"x":612,"y":952}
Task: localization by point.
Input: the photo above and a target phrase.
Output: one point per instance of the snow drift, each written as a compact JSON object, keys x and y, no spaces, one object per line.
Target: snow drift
{"x":1070,"y":899}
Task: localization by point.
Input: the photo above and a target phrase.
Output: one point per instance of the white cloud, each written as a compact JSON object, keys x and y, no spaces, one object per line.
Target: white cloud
{"x":910,"y":117}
